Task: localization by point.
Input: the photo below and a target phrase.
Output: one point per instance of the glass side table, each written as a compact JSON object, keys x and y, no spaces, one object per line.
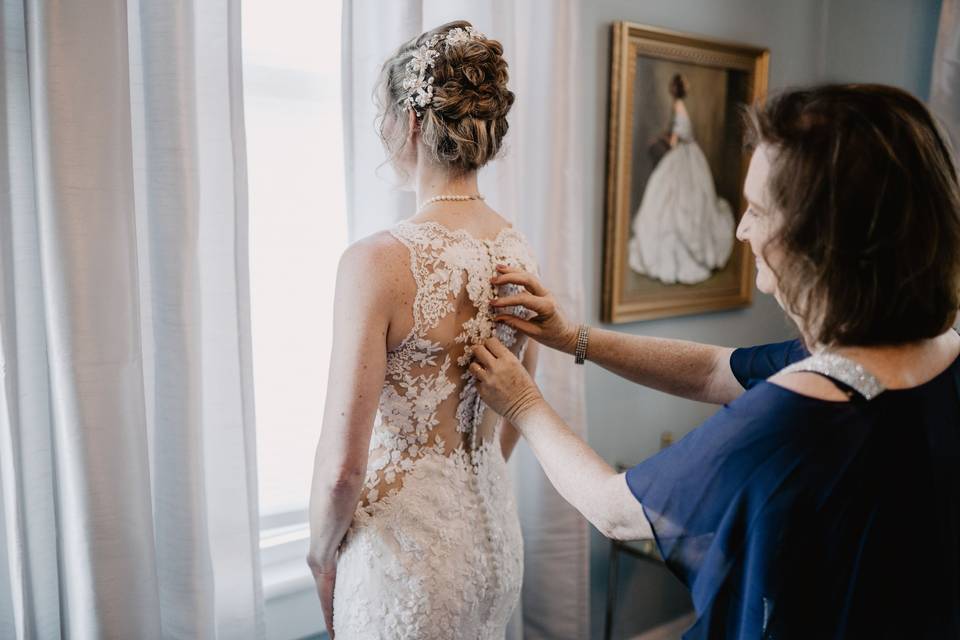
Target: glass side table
{"x":645,"y":550}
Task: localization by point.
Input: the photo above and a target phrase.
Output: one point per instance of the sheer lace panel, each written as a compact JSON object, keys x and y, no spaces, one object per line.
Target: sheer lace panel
{"x":429,"y":402}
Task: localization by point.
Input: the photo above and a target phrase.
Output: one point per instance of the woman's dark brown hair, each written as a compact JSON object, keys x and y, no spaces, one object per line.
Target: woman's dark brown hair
{"x":870,"y":234}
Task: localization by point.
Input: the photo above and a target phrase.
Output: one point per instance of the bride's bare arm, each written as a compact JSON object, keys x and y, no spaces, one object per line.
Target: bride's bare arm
{"x":357,"y":366}
{"x":508,"y":433}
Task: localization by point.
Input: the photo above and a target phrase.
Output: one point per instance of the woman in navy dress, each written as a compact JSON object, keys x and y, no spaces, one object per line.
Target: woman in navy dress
{"x":823,"y":499}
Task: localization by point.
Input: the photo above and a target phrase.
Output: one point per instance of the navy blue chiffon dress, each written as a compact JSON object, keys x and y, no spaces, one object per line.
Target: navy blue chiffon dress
{"x":793,"y":517}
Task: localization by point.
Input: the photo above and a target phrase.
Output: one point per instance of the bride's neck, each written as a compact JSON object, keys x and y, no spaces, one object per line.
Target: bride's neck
{"x":435,"y":181}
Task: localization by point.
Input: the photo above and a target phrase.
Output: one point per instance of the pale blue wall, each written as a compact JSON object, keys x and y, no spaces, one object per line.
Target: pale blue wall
{"x":889,"y":41}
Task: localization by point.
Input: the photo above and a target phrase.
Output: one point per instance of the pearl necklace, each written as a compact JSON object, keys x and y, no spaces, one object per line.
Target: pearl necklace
{"x":455,"y":198}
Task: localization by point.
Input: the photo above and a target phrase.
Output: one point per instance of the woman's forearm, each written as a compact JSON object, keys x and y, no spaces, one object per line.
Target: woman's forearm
{"x":508,"y":439}
{"x":508,"y":433}
{"x":333,"y":500}
{"x":581,"y":476}
{"x":678,"y":367}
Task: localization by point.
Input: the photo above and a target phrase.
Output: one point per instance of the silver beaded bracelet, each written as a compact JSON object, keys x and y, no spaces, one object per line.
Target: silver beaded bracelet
{"x":580,"y":353}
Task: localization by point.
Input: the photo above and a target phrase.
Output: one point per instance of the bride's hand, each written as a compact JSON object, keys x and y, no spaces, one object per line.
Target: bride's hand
{"x":549,"y":327}
{"x":325,"y":576}
{"x":503,"y":382}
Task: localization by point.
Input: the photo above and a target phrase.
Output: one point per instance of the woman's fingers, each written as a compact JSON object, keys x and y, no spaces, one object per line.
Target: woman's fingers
{"x":527,"y":300}
{"x":523,"y":278}
{"x":478,"y":372}
{"x":521,"y":325}
{"x":496,"y":347}
{"x":482,"y":355}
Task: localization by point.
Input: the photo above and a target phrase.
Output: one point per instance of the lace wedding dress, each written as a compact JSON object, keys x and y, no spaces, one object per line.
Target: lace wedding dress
{"x":434,"y":550}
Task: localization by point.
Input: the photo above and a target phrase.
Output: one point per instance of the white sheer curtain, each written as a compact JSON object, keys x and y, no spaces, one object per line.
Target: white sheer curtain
{"x":537,"y":183}
{"x":945,"y":83}
{"x":127,"y":476}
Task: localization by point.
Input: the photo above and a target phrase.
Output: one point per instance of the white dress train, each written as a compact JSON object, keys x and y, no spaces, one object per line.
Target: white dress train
{"x":682,"y":230}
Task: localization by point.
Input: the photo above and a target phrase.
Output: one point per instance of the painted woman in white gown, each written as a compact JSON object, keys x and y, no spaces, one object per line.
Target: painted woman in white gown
{"x":414,"y":528}
{"x":682,"y":230}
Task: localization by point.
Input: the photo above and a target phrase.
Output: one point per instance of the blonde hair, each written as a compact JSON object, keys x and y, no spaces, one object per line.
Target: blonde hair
{"x":463,"y":126}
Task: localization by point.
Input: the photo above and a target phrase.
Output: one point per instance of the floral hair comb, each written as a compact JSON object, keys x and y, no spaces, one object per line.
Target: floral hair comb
{"x":417,"y":83}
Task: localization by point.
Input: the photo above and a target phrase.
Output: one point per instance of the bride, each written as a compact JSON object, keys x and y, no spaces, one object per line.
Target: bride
{"x":414,"y":529}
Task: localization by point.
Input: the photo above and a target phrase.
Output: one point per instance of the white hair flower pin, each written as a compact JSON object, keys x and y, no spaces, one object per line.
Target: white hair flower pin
{"x":417,"y":82}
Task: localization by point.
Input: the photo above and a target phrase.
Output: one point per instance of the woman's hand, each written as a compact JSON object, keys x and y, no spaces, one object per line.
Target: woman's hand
{"x":549,"y":327}
{"x":325,"y":577}
{"x":504,"y":383}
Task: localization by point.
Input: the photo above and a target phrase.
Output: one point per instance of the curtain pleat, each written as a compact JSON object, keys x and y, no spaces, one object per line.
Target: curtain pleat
{"x":945,"y":79}
{"x":126,"y":422}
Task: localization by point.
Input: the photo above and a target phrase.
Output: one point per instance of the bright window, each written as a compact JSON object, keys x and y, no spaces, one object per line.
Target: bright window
{"x":291,"y":66}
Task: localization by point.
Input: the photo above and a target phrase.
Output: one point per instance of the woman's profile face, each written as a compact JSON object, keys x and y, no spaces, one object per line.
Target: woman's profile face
{"x":759,"y":221}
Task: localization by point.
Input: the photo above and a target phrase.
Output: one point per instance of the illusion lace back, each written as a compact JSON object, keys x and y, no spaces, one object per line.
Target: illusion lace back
{"x":434,"y":550}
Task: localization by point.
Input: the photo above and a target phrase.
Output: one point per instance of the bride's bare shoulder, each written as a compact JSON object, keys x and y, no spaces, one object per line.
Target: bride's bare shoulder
{"x":374,"y":280}
{"x":376,"y":262}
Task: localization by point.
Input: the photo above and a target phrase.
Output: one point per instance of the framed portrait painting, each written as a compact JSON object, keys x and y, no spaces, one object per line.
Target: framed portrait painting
{"x":675,"y":170}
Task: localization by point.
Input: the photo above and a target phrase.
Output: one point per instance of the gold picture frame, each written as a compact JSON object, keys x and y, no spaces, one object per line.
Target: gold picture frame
{"x":642,"y":57}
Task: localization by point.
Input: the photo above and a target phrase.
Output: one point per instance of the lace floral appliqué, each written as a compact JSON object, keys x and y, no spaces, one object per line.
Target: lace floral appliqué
{"x":443,"y":263}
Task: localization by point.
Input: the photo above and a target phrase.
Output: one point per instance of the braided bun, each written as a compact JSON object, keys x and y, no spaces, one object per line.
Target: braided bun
{"x":463,"y":126}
